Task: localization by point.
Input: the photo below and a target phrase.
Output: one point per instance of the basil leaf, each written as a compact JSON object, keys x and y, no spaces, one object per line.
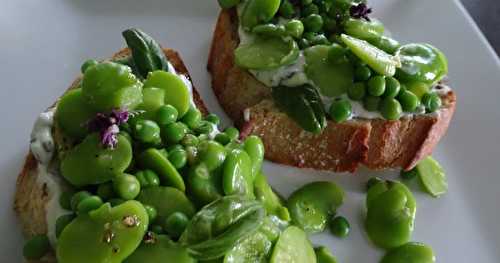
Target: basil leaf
{"x":303,"y":104}
{"x":147,"y":54}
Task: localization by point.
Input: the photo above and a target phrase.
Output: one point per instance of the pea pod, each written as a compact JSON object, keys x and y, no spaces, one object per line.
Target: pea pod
{"x":160,"y":249}
{"x":153,"y":159}
{"x":293,"y":246}
{"x":390,"y":216}
{"x":107,"y":234}
{"x":421,"y":63}
{"x":204,"y":186}
{"x":387,"y":44}
{"x":412,"y":252}
{"x":363,"y":29}
{"x":323,"y":73}
{"x":237,"y":174}
{"x":302,"y":104}
{"x":89,"y":163}
{"x":313,"y":204}
{"x":217,"y":227}
{"x":254,"y":249}
{"x":381,"y":62}
{"x":147,"y":54}
{"x":266,"y":53}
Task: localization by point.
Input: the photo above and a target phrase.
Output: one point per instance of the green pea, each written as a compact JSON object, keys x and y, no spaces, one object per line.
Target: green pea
{"x":222,"y":138}
{"x":126,"y":186}
{"x":357,"y":91}
{"x":313,"y":23}
{"x":77,"y":198}
{"x":175,"y":224}
{"x":174,"y":132}
{"x":88,"y":64}
{"x":294,"y":28}
{"x":174,"y":147}
{"x":362,"y":73}
{"x":409,"y":101}
{"x":105,"y":191}
{"x":65,"y":200}
{"x":371,"y":103}
{"x":228,"y":3}
{"x":390,"y":109}
{"x":286,"y":9}
{"x":373,"y":181}
{"x":409,"y":175}
{"x":376,"y":86}
{"x":336,"y":53}
{"x":62,"y":222}
{"x":311,"y":9}
{"x":340,"y":227}
{"x":157,"y":229}
{"x":152,"y":213}
{"x":324,"y":6}
{"x":147,"y":178}
{"x":190,"y":140}
{"x":147,"y":131}
{"x":89,"y":204}
{"x":392,"y":87}
{"x":303,"y":43}
{"x":213,"y":119}
{"x":36,"y":247}
{"x":166,"y":114}
{"x":340,"y":110}
{"x":320,"y":39}
{"x":431,"y":101}
{"x":192,"y":118}
{"x":232,"y":132}
{"x":116,"y":201}
{"x":205,"y":128}
{"x":212,"y":154}
{"x":271,"y":30}
{"x":178,"y":158}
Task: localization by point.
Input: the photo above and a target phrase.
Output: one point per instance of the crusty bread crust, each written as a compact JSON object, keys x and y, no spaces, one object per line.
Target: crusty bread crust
{"x":377,"y":144}
{"x":31,"y":197}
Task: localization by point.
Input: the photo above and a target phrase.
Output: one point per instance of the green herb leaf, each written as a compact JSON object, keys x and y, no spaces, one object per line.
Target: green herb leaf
{"x":302,"y":104}
{"x":147,"y":54}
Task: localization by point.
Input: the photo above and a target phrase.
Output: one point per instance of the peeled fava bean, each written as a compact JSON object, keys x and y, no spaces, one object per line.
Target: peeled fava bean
{"x":412,"y":252}
{"x":390,"y":217}
{"x":312,"y":205}
{"x":293,"y":246}
{"x":73,"y":112}
{"x":109,"y":86}
{"x":154,"y":160}
{"x":421,"y":63}
{"x":156,"y":197}
{"x":204,"y":186}
{"x":257,"y":11}
{"x":104,"y":235}
{"x":255,"y":248}
{"x":160,"y":249}
{"x":90,"y":163}
{"x":176,"y":92}
{"x":237,"y":174}
{"x":323,"y":255}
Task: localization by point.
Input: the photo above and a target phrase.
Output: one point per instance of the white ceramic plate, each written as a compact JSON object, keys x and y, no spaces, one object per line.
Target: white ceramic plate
{"x":43,"y":44}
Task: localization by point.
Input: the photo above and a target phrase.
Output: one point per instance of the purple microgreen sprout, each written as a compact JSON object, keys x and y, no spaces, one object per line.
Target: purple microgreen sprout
{"x":360,"y":11}
{"x":108,"y":125}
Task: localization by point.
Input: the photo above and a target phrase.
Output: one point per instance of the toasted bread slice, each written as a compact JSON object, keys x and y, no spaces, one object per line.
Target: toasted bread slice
{"x":342,"y":147}
{"x":31,"y":195}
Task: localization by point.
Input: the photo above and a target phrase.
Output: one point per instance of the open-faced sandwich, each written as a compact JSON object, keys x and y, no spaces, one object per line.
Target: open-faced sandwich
{"x":128,"y":166}
{"x":323,"y":86}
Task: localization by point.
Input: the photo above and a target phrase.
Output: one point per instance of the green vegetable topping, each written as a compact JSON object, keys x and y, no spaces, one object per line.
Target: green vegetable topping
{"x":432,"y":177}
{"x":340,"y":227}
{"x":36,"y":247}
